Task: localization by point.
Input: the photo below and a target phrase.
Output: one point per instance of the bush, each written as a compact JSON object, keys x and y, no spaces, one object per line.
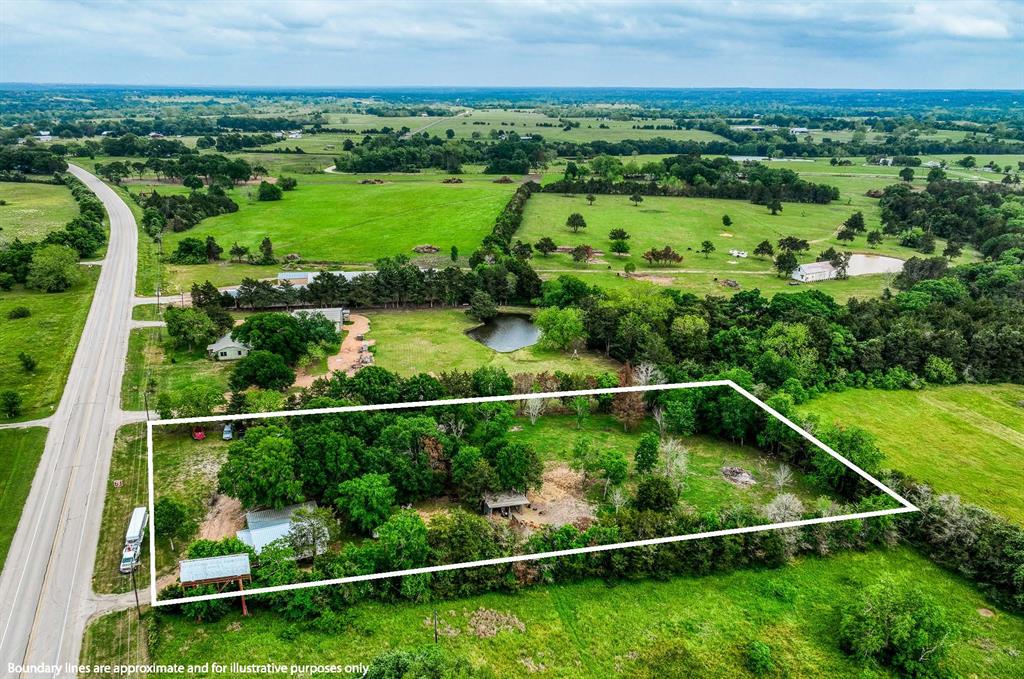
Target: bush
{"x":263,"y":369}
{"x":18,"y":312}
{"x":28,"y":361}
{"x":939,"y":370}
{"x":759,"y":658}
{"x":268,"y":191}
{"x":10,"y":403}
{"x":7,"y":280}
{"x":287,"y":183}
{"x":895,"y":625}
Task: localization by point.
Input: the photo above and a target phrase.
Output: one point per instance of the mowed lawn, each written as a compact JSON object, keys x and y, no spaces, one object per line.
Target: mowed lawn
{"x":50,"y":335}
{"x":20,"y":450}
{"x":684,"y":223}
{"x":594,"y":629}
{"x":434,"y":341}
{"x":967,"y":440}
{"x":151,"y":356}
{"x":334,"y":218}
{"x":34,"y":210}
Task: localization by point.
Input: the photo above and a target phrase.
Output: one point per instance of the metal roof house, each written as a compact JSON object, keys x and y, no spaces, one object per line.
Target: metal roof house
{"x":504,"y":502}
{"x":815,"y":271}
{"x":227,"y":349}
{"x":266,"y":525}
{"x":336,"y":315}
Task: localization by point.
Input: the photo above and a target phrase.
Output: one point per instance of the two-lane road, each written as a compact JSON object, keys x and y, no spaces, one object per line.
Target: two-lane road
{"x":46,"y":583}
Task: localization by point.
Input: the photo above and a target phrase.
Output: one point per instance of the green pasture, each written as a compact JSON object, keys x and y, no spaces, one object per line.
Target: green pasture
{"x":967,"y":440}
{"x":434,"y":341}
{"x":34,"y":210}
{"x":50,"y":335}
{"x":20,"y":450}
{"x":607,"y":629}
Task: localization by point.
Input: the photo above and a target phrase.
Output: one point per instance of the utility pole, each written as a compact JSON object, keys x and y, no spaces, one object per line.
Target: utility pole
{"x":435,"y":625}
{"x":135,"y":588}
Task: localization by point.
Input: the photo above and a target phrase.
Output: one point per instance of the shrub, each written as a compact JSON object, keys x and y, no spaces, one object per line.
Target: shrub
{"x":18,"y":312}
{"x":7,"y":280}
{"x":938,"y":370}
{"x":10,"y":403}
{"x":657,"y":494}
{"x":268,"y":191}
{"x":759,"y":658}
{"x":895,"y":625}
{"x":287,"y":183}
{"x":28,"y":361}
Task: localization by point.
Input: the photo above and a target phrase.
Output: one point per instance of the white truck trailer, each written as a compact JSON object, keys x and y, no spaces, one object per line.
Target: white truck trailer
{"x":133,"y":537}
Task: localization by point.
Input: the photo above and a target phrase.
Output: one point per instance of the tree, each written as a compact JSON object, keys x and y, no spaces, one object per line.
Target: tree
{"x":581,"y":406}
{"x":907,"y":174}
{"x":366,"y":501}
{"x":213,"y":251}
{"x":618,"y":234}
{"x":192,"y":182}
{"x":284,"y":334}
{"x":952,"y":250}
{"x":268,"y":191}
{"x":896,"y":625}
{"x":575,"y":222}
{"x":656,"y":493}
{"x":646,"y":455}
{"x":855,"y":222}
{"x":189,"y":327}
{"x":238,"y":252}
{"x":726,"y":221}
{"x":260,"y":469}
{"x":764,"y":249}
{"x":171,"y":520}
{"x":706,"y":248}
{"x":613,"y":468}
{"x":263,"y":369}
{"x":481,"y":307}
{"x":561,"y":328}
{"x":775,"y":205}
{"x":455,"y":253}
{"x":545,"y":246}
{"x":288,"y":183}
{"x":522,"y":250}
{"x":518,"y":467}
{"x":591,"y":198}
{"x":582,"y":253}
{"x":664,"y":255}
{"x":266,"y":251}
{"x":793,"y":244}
{"x":402,"y":542}
{"x":10,"y":403}
{"x":620,"y":247}
{"x":472,"y":475}
{"x":636,"y":199}
{"x":846,"y":234}
{"x":54,"y":268}
{"x":875,"y":238}
{"x":189,"y":251}
{"x":936,"y":174}
{"x":28,"y":361}
{"x":312,"y":531}
{"x":785,"y":263}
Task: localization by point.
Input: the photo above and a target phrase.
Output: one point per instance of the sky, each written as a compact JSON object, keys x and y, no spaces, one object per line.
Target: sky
{"x":928,"y":44}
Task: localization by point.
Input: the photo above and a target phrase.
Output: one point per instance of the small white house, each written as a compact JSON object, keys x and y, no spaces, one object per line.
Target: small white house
{"x":227,"y":349}
{"x":799,"y":130}
{"x":814,"y":271}
{"x":44,"y":135}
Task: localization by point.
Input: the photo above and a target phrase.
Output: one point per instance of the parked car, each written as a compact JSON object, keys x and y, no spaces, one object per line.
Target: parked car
{"x":229,"y":432}
{"x":198,"y":434}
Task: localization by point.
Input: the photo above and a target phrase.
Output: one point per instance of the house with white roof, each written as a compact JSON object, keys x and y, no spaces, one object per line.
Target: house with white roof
{"x":266,"y":525}
{"x":227,"y":349}
{"x":814,"y":271}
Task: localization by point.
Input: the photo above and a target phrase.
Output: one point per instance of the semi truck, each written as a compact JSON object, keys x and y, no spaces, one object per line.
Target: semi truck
{"x":132,"y":553}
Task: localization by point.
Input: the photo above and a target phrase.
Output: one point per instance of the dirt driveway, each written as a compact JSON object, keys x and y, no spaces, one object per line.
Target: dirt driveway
{"x":347,"y":358}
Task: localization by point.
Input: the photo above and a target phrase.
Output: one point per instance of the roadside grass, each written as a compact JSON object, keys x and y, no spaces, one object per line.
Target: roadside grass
{"x":684,"y":223}
{"x":434,"y":341}
{"x":115,"y":639}
{"x":335,"y":218}
{"x":20,"y":451}
{"x":603,"y":629}
{"x":967,"y":440}
{"x":553,"y":437}
{"x":50,"y":335}
{"x":152,"y":355}
{"x":147,"y":312}
{"x":126,"y":490}
{"x":34,"y":210}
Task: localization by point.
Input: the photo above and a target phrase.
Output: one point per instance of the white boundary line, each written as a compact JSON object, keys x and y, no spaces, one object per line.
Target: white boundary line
{"x":904,"y":507}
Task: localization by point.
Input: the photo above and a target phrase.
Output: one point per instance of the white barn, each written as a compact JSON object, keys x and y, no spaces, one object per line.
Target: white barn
{"x":814,"y":271}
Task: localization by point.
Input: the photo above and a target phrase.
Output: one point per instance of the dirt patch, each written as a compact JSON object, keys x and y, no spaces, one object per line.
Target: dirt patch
{"x":725,"y":234}
{"x":426,"y":249}
{"x":373,"y":181}
{"x":738,"y":476}
{"x":444,"y":629}
{"x":431,"y":508}
{"x":349,"y":357}
{"x":485,"y":623}
{"x":657,"y":280}
{"x":223,"y":520}
{"x":986,"y":613}
{"x":559,"y":502}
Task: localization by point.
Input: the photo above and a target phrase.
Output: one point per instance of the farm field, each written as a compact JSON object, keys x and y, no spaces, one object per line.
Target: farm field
{"x":967,"y":440}
{"x":334,"y":218}
{"x":684,"y":223}
{"x":598,"y":629}
{"x":151,"y":357}
{"x":20,"y":451}
{"x":50,"y":335}
{"x":34,"y":210}
{"x":433,"y":341}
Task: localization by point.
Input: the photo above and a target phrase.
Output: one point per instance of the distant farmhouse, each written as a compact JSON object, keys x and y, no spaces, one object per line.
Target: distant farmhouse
{"x":815,"y":271}
{"x":227,"y":349}
{"x":336,"y":315}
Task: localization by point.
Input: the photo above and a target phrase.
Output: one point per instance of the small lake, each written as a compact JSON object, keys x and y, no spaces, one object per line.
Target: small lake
{"x":506,"y":332}
{"x":863,"y":265}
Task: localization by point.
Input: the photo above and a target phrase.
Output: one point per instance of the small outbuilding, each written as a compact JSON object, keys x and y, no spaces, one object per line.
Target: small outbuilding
{"x":266,"y":525}
{"x":336,"y":315}
{"x":814,"y":271}
{"x":218,"y":571}
{"x":227,"y":349}
{"x":505,"y":502}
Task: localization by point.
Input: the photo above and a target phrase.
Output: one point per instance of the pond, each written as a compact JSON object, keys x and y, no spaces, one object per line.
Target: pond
{"x":862,"y":265}
{"x":506,"y":332}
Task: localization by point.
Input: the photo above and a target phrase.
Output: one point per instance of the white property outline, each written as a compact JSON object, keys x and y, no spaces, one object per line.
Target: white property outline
{"x":905,"y":506}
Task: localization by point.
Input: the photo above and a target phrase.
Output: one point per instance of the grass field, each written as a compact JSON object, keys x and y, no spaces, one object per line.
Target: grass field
{"x":150,"y":355}
{"x":20,"y":450}
{"x":126,"y":489}
{"x":553,"y":437}
{"x":593,"y":629}
{"x":334,"y":218}
{"x":50,"y":335}
{"x":967,"y":440}
{"x":434,"y":341}
{"x":684,"y":223}
{"x":34,"y":210}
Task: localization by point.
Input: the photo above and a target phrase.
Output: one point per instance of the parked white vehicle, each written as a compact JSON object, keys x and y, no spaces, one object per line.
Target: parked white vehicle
{"x":133,"y":537}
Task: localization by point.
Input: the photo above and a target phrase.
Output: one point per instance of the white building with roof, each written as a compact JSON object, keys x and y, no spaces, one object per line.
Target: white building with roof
{"x":266,"y":525}
{"x":335,"y":315}
{"x":227,"y":349}
{"x":814,"y":271}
